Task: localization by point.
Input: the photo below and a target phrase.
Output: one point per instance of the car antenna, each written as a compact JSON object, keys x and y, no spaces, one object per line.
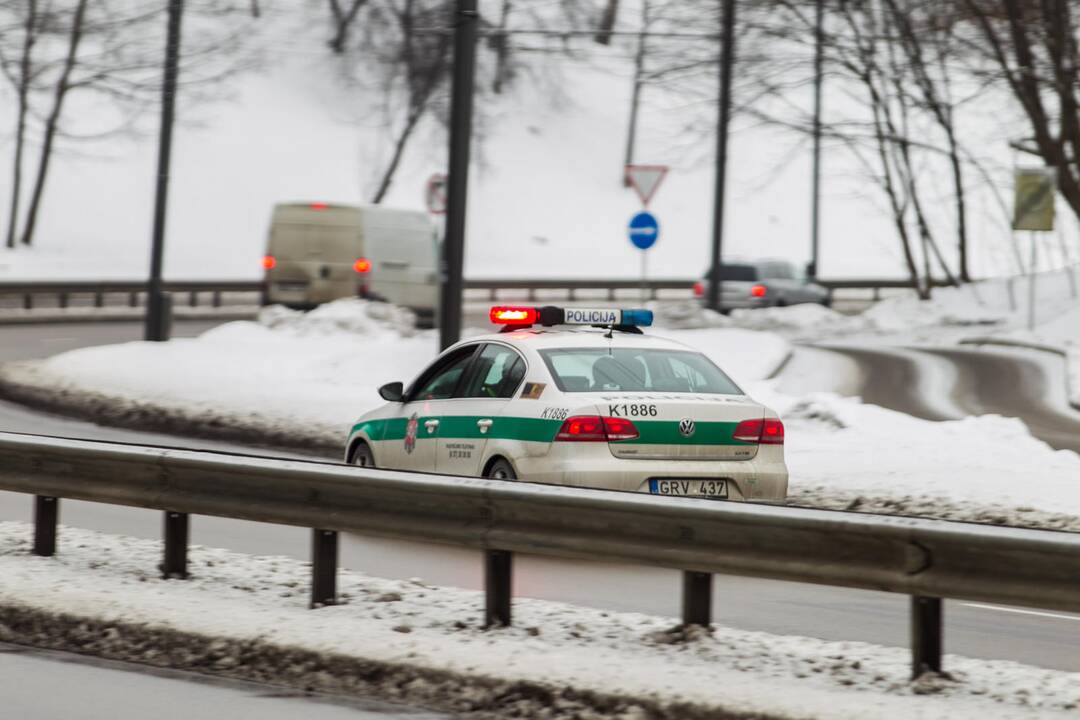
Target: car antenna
{"x":610,"y":332}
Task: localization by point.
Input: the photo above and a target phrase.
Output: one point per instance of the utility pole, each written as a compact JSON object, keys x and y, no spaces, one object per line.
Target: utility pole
{"x":466,"y":19}
{"x":158,"y":305}
{"x":815,"y":212}
{"x":727,"y":59}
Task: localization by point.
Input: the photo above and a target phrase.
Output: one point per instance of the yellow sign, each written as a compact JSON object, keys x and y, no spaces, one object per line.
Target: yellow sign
{"x":1033,"y":206}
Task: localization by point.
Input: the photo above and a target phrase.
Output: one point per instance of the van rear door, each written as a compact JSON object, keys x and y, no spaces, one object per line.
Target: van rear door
{"x":403,"y":249}
{"x":314,"y":249}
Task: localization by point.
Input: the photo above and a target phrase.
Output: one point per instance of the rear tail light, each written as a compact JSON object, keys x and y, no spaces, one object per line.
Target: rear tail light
{"x":758,"y":291}
{"x":362,"y":265}
{"x":268,"y":262}
{"x":766,"y":431}
{"x":699,"y":289}
{"x":593,"y":428}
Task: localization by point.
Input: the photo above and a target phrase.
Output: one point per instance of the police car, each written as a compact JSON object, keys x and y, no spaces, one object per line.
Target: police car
{"x":579,"y":397}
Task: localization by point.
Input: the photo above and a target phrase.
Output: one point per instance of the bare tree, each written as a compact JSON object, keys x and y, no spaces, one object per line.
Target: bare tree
{"x":344,"y":17}
{"x":112,"y":50}
{"x":21,"y":79}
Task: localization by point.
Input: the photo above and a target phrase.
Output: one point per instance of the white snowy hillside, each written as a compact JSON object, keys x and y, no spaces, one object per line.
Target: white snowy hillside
{"x":546,"y":196}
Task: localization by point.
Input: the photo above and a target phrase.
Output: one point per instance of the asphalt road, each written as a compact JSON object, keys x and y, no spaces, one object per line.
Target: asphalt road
{"x":1043,"y":639}
{"x":45,"y":684}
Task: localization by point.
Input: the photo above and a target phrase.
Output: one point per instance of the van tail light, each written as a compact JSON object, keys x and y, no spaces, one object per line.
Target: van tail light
{"x":268,"y":262}
{"x":593,"y":428}
{"x":363,"y":265}
{"x":766,"y":431}
{"x":699,"y":289}
{"x":758,"y":291}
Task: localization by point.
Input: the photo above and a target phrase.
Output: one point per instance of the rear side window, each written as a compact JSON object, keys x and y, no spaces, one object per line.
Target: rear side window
{"x":497,"y":372}
{"x":636,"y":370}
{"x":738,"y":273}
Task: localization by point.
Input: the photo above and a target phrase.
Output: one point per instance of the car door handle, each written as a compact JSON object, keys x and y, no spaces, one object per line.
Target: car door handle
{"x":484,"y":425}
{"x":431,"y":425}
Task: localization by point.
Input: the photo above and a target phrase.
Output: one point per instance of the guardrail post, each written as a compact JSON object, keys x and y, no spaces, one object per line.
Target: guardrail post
{"x":63,"y":300}
{"x":177,"y":530}
{"x":99,"y":299}
{"x":926,"y":635}
{"x":697,"y":598}
{"x":28,"y":301}
{"x":193,"y":298}
{"x":217,"y":298}
{"x":324,"y":561}
{"x":133,"y":299}
{"x":46,"y":516}
{"x":498,"y":574}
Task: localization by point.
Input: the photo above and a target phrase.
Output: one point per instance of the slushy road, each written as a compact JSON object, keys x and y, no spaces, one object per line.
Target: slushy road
{"x":45,"y":684}
{"x":1042,"y":639}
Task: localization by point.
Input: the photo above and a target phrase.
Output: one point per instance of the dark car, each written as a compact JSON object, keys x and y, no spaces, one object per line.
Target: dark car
{"x":763,"y":283}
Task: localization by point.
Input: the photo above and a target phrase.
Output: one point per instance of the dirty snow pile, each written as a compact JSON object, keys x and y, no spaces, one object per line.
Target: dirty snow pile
{"x":242,"y":615}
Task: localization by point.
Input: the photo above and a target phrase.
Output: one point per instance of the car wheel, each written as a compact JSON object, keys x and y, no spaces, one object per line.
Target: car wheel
{"x":501,"y":470}
{"x":363,"y":456}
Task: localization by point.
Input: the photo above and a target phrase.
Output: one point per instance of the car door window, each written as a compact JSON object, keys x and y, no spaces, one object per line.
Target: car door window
{"x":496,"y":374}
{"x":441,"y":381}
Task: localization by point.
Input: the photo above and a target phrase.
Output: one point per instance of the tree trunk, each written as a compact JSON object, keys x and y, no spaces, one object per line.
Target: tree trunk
{"x":62,"y":87}
{"x":343,"y":22}
{"x":20,"y":123}
{"x":399,"y":150}
{"x":635,"y":97}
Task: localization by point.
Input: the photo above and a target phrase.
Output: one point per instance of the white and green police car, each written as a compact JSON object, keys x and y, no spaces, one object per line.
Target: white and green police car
{"x":579,"y":397}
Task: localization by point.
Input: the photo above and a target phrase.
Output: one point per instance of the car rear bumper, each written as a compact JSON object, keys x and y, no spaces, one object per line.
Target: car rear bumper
{"x":762,"y":479}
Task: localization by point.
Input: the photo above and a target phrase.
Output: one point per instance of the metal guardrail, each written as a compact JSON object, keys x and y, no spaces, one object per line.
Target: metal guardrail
{"x":573,"y":287}
{"x":66,"y":290}
{"x":926,"y":559}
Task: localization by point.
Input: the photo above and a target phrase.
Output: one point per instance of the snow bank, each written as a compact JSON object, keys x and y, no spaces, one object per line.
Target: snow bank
{"x":290,"y":377}
{"x":247,"y":616}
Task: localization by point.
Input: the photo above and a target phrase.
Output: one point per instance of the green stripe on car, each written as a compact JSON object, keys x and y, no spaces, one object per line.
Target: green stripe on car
{"x":463,"y":427}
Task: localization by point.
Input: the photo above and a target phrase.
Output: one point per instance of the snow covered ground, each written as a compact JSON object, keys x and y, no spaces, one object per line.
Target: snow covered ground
{"x":247,"y":616}
{"x":302,"y":379}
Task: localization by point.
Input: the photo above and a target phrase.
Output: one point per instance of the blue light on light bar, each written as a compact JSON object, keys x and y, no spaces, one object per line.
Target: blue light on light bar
{"x":638,"y":318}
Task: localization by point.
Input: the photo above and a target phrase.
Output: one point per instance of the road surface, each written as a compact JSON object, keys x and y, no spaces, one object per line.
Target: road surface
{"x":46,"y":684}
{"x":976,"y":630}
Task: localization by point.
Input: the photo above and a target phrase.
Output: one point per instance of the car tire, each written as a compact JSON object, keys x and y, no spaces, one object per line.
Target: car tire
{"x":362,"y":456}
{"x":501,"y":470}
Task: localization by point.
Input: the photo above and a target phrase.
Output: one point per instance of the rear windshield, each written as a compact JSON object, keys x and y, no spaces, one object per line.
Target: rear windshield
{"x":743,"y":273}
{"x":636,"y":370}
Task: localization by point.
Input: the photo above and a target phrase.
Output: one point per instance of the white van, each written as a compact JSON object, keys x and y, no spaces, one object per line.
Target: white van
{"x":317,"y":252}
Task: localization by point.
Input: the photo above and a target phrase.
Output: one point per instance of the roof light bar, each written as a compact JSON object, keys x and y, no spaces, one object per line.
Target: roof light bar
{"x":549,"y":316}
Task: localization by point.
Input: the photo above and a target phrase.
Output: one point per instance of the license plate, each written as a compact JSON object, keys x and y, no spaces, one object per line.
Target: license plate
{"x":689,"y":487}
{"x":294,"y":286}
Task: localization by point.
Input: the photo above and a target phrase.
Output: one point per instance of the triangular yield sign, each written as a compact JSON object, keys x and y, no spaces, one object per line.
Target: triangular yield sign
{"x":645,"y":179}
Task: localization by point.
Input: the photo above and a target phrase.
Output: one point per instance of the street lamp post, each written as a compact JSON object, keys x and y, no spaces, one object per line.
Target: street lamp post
{"x":158,"y":305}
{"x":727,"y":60}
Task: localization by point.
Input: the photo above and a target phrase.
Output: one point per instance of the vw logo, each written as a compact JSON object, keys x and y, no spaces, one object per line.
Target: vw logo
{"x":686,"y":427}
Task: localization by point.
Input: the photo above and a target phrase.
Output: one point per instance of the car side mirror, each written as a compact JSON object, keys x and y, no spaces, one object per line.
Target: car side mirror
{"x":392,"y":392}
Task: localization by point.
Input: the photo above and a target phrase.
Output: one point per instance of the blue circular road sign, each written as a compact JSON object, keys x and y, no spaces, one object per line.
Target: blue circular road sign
{"x":643,"y":230}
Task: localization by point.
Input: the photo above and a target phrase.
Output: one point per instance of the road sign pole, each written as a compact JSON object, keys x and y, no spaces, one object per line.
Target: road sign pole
{"x":644,"y":277}
{"x":1031,"y":282}
{"x":157,"y":307}
{"x":727,"y":59}
{"x":461,"y":105}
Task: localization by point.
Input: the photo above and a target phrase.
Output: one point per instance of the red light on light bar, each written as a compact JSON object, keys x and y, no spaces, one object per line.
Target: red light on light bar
{"x":269,"y":262}
{"x":758,"y":291}
{"x":319,"y":206}
{"x":362,"y":265}
{"x":513,"y":315}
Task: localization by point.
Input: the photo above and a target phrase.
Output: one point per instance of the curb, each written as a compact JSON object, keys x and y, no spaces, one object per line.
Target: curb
{"x":259,"y":660}
{"x":107,"y":410}
{"x":1070,"y":391}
